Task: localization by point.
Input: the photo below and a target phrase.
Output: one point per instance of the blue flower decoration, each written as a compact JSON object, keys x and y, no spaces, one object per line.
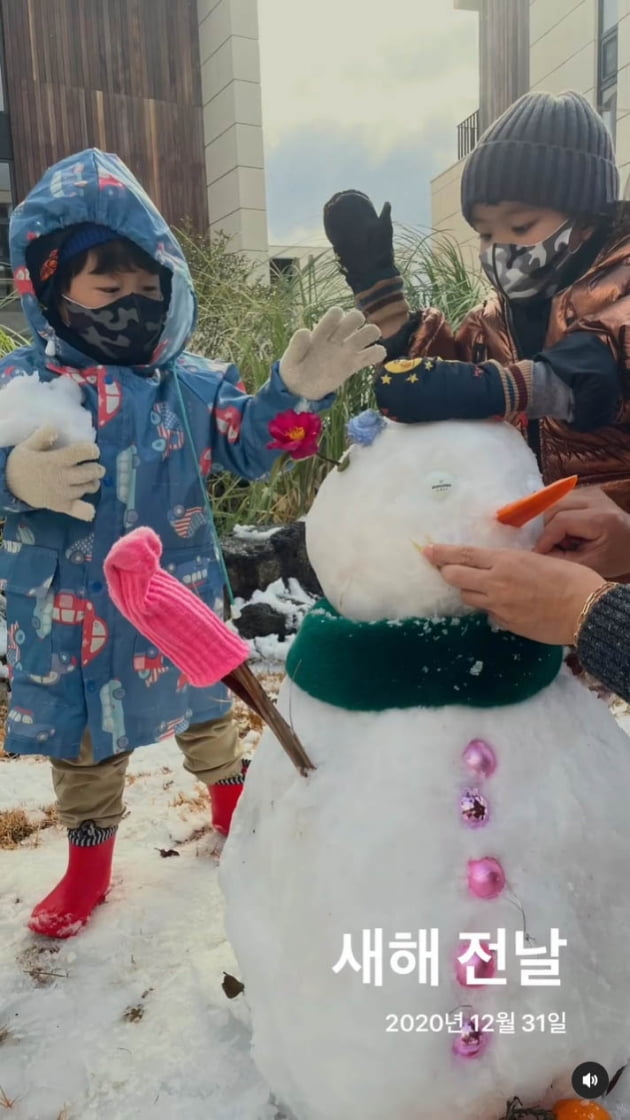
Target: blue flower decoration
{"x":365,"y":427}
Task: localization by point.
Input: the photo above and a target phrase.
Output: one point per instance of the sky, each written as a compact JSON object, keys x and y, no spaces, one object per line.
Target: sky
{"x":361,"y":94}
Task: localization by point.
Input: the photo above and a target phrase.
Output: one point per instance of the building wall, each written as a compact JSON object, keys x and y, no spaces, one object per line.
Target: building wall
{"x":504,"y":76}
{"x":623,"y":94}
{"x":503,"y":56}
{"x":446,"y":212}
{"x":232,"y":123}
{"x":564,"y":46}
{"x":120,"y":75}
{"x":563,"y":54}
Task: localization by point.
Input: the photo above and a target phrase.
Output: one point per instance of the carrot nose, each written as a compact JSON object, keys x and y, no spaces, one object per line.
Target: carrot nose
{"x":526,"y":509}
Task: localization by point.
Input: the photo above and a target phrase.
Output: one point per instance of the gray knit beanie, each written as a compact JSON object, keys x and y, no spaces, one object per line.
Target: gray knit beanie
{"x":544,"y":151}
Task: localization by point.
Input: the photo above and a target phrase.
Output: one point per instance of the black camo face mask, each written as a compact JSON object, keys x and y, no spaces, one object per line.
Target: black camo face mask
{"x":525,"y":271}
{"x":125,"y":332}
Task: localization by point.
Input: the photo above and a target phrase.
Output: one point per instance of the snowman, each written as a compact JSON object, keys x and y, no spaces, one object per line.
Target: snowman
{"x":434,"y":920}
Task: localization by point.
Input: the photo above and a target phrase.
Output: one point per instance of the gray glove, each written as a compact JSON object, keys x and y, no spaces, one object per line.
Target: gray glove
{"x":45,"y":477}
{"x":318,"y":362}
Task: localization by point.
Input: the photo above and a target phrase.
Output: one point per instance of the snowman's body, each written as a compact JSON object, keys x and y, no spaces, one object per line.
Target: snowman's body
{"x":377,"y":839}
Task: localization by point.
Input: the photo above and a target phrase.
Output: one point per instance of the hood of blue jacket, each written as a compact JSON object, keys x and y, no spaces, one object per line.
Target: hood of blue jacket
{"x":93,"y":186}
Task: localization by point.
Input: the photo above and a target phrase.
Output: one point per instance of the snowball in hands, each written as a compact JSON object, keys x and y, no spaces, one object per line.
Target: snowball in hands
{"x":374,"y":840}
{"x":52,"y":465}
{"x":27,"y":404}
{"x":316,"y":363}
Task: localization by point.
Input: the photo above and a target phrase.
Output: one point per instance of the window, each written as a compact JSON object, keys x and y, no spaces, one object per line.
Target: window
{"x":608,"y":60}
{"x":607,"y":63}
{"x":282,"y":267}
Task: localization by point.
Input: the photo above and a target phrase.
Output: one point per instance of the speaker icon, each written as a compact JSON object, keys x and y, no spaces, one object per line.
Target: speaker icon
{"x":590,"y":1080}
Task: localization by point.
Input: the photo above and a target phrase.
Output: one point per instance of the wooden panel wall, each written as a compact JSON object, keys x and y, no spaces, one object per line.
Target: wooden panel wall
{"x":503,"y":56}
{"x":120,"y":75}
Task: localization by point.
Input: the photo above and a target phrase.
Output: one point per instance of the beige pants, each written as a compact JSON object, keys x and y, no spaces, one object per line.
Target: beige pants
{"x":89,"y":791}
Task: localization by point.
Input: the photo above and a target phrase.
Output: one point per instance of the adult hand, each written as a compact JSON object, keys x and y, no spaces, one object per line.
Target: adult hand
{"x":588,"y":528}
{"x":537,"y":597}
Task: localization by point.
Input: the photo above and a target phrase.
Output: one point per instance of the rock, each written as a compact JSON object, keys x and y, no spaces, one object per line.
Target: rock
{"x":259,"y":620}
{"x":253,"y":562}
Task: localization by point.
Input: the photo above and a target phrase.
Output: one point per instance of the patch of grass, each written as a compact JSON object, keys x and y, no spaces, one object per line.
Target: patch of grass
{"x":7,"y":1102}
{"x":136,"y":1013}
{"x":249,"y":322}
{"x":197,"y":801}
{"x":16,"y":827}
{"x":37,"y":960}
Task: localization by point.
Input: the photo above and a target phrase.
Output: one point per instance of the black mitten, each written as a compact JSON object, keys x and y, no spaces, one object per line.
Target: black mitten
{"x":363,"y":240}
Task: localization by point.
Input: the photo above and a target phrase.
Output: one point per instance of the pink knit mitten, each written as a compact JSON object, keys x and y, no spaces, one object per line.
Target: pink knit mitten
{"x":168,"y":614}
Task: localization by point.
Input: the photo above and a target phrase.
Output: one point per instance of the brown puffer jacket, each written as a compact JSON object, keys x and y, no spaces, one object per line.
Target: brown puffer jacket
{"x":599,"y":302}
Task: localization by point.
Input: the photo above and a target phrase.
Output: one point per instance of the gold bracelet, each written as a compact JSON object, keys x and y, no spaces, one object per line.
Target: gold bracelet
{"x":593,"y":598}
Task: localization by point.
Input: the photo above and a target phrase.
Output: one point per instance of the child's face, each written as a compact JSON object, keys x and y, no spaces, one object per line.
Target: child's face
{"x":96,"y":289}
{"x":514,"y":223}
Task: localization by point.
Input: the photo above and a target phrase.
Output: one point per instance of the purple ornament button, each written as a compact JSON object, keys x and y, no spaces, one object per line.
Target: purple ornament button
{"x":480,"y":758}
{"x":486,"y":877}
{"x":473,"y":808}
{"x":471,"y":1039}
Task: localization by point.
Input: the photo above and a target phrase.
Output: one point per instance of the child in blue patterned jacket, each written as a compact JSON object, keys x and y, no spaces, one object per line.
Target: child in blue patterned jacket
{"x":111,"y":304}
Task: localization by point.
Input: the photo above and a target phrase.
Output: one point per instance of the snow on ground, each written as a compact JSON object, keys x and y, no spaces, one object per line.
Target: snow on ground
{"x":128,"y":1021}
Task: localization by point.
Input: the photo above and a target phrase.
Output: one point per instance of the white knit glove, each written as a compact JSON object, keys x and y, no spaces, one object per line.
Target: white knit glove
{"x":318,"y":362}
{"x":45,"y":477}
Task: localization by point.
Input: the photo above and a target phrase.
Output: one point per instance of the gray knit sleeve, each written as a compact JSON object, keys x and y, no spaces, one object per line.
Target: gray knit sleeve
{"x":550,"y":396}
{"x":604,"y":642}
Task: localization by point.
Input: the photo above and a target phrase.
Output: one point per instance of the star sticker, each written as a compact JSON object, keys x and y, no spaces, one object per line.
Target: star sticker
{"x":429,"y":363}
{"x":413,"y":378}
{"x":386,"y":379}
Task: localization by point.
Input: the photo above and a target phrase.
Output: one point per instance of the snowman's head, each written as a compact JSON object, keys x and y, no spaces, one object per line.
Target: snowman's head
{"x":416,"y":484}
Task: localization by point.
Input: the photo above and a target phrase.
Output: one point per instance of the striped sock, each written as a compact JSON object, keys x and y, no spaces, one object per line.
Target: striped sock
{"x":236,"y":779}
{"x":89,"y":835}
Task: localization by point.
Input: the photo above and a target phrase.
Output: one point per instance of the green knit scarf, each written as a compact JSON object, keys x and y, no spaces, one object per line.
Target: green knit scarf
{"x":372,"y":666}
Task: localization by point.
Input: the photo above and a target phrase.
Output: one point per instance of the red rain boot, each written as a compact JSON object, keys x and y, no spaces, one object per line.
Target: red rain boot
{"x":84,"y":886}
{"x":224,"y":796}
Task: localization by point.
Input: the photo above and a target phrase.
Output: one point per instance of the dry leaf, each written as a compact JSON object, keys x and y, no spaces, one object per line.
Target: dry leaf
{"x":231,"y":986}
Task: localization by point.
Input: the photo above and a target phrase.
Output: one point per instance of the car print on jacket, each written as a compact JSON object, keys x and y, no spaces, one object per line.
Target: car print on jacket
{"x":192,"y":573}
{"x":113,"y":721}
{"x":81,"y":551}
{"x":61,"y":663}
{"x":127,"y":465}
{"x":28,"y":728}
{"x":71,"y":610}
{"x":150,"y":666}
